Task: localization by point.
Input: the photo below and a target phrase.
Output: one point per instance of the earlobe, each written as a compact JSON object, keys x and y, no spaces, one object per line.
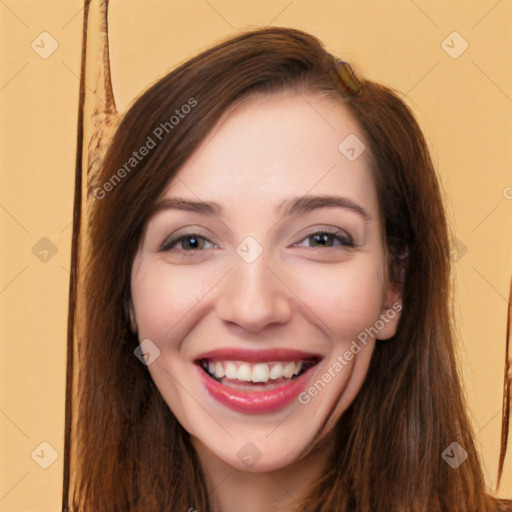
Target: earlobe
{"x":389,"y":321}
{"x":392,"y":300}
{"x":390,"y":313}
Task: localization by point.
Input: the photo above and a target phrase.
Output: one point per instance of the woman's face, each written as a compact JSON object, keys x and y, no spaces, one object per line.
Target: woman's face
{"x":255,"y":292}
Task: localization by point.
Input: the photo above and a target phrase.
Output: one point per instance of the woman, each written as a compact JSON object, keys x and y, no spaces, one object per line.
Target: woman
{"x":268,"y":320}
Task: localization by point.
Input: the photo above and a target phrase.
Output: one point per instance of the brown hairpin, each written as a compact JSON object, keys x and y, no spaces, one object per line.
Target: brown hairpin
{"x":348,"y":78}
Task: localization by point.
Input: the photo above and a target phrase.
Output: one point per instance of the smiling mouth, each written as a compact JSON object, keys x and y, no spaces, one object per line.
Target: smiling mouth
{"x":264,"y":375}
{"x":256,"y":381}
{"x":255,"y":388}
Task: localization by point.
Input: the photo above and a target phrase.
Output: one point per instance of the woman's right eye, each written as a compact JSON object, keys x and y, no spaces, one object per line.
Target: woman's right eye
{"x":191,"y":242}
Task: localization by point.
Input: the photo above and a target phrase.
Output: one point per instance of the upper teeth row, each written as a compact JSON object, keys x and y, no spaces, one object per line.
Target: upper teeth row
{"x":260,"y":372}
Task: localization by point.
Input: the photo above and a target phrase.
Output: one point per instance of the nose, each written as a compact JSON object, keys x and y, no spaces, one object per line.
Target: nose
{"x":254,"y":296}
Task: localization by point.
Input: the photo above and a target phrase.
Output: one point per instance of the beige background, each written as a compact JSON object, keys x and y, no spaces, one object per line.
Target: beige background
{"x":464,"y":105}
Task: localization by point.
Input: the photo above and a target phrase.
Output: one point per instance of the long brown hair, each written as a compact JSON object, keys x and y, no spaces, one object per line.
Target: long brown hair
{"x":131,"y":452}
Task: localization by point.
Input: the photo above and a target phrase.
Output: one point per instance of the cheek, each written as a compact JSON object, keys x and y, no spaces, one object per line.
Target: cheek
{"x":346,"y":297}
{"x":162,"y":296}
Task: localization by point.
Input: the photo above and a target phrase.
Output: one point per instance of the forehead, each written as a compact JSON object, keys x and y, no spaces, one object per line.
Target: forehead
{"x":273,"y":146}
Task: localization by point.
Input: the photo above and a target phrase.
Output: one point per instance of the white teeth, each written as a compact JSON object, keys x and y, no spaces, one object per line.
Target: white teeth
{"x":288,"y":370}
{"x":244,"y":373}
{"x":219,"y":370}
{"x":259,"y":372}
{"x":277,"y":371}
{"x":230,"y":369}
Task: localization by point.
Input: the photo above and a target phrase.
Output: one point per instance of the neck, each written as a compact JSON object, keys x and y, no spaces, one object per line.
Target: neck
{"x":234,"y":490}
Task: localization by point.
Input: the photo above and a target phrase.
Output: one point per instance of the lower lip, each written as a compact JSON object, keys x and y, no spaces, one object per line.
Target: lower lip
{"x":255,"y":402}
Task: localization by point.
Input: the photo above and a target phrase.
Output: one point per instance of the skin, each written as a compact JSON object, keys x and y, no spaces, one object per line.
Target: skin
{"x":297,"y":294}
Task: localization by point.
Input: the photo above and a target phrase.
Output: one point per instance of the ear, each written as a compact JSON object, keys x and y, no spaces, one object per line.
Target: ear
{"x":393,"y":295}
{"x":390,"y":312}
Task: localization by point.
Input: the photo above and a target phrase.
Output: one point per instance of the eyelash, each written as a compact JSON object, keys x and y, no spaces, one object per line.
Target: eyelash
{"x":348,"y":243}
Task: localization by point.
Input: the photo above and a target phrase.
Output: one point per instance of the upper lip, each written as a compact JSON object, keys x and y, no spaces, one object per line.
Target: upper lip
{"x":258,"y":355}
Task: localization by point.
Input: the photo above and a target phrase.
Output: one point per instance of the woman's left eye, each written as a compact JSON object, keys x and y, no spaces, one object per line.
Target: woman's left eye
{"x":323,"y":237}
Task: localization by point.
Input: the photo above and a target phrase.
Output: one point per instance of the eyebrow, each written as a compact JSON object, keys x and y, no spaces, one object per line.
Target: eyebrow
{"x":288,"y":207}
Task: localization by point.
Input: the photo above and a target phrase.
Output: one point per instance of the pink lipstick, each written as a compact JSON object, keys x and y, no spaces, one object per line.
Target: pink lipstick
{"x":255,"y":381}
